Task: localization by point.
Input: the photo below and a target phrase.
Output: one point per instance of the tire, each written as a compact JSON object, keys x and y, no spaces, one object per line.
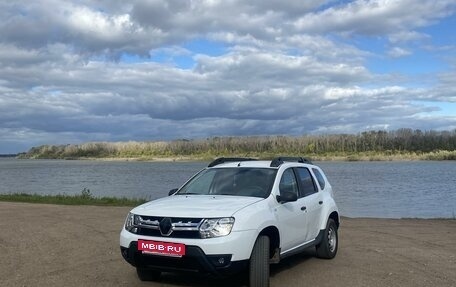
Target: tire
{"x":327,"y":248}
{"x":145,"y":274}
{"x":259,"y":263}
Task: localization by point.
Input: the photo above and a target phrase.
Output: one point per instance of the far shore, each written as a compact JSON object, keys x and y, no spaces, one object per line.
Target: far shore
{"x":399,"y":145}
{"x":337,"y":158}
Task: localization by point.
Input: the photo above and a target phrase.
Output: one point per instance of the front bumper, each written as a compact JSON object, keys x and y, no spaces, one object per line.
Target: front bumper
{"x":195,"y":260}
{"x":238,"y":243}
{"x":201,"y":254}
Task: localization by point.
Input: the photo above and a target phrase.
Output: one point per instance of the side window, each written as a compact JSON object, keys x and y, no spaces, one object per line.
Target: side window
{"x":320,"y":179}
{"x":288,"y":181}
{"x":307,"y":184}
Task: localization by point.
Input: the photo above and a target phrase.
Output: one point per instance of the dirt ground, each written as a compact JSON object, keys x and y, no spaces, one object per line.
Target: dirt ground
{"x":51,"y":245}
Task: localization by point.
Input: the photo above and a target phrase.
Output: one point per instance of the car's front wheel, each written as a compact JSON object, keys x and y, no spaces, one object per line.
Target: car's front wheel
{"x":327,"y":248}
{"x":259,"y":263}
{"x":145,"y":274}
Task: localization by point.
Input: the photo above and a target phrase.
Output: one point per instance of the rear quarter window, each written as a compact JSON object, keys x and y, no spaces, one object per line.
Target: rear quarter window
{"x":320,"y":179}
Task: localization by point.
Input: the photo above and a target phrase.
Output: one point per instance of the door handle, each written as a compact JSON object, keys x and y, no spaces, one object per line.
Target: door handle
{"x":320,"y":202}
{"x":303,"y":208}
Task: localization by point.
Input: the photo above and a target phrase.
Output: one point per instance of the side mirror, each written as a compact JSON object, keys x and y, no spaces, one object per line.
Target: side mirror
{"x":172,"y":191}
{"x":287,"y":196}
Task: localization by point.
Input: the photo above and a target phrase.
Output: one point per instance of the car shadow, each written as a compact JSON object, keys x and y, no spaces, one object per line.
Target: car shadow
{"x":203,"y":280}
{"x":293,"y":261}
{"x":241,"y":279}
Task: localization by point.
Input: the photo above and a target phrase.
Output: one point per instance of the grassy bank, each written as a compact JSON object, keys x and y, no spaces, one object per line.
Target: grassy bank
{"x":402,"y":144}
{"x":439,"y":155}
{"x":71,"y":199}
{"x":387,"y":156}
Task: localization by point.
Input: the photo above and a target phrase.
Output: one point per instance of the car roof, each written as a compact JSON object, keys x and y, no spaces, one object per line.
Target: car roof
{"x":250,"y":163}
{"x":258,"y":164}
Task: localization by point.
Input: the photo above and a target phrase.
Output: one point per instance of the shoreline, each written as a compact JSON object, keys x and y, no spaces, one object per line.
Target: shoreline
{"x":324,"y":158}
{"x":82,"y":200}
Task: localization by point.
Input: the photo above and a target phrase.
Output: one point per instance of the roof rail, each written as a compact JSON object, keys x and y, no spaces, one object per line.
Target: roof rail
{"x":281,"y":159}
{"x":221,"y":160}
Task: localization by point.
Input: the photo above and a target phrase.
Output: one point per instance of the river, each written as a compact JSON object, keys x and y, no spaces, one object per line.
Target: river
{"x":421,"y":189}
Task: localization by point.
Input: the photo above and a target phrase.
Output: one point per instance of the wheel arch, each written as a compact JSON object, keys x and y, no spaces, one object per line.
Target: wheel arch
{"x":274,"y":238}
{"x":335,"y":216}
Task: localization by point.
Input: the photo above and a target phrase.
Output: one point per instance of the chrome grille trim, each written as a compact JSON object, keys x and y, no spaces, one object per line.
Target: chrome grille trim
{"x":181,"y":225}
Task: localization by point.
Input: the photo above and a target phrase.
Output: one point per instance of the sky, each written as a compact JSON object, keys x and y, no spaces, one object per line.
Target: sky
{"x":108,"y":70}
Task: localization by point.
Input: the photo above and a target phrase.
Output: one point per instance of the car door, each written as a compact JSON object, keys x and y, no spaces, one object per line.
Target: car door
{"x":292,"y":220}
{"x":311,"y":200}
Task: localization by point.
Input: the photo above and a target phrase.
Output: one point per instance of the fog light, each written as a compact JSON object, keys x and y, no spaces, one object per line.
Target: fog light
{"x":220,"y":260}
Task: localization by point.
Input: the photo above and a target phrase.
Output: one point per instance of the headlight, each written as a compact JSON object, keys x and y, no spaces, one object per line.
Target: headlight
{"x":216,"y":227}
{"x":130,"y":222}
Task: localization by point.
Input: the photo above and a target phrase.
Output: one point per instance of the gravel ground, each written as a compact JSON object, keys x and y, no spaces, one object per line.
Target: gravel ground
{"x":52,"y":245}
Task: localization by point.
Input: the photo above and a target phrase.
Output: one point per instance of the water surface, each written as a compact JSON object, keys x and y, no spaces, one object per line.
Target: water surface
{"x":425,"y":189}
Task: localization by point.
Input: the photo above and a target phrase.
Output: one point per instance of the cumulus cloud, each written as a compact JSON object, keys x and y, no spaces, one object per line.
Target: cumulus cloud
{"x":375,"y":17}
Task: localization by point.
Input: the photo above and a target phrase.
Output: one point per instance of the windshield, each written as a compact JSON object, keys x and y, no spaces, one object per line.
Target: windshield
{"x":244,"y":181}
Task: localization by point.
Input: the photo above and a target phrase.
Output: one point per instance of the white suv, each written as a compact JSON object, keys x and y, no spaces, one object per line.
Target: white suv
{"x":237,"y":213}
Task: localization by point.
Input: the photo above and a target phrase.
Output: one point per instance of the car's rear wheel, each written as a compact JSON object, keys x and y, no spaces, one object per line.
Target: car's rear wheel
{"x":145,"y":274}
{"x":327,"y":248}
{"x":259,"y":263}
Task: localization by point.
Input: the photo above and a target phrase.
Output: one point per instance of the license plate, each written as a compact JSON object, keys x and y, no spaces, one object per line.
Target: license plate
{"x":161,"y":248}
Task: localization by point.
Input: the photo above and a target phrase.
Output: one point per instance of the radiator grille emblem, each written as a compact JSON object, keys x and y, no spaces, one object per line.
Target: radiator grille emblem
{"x":166,"y":226}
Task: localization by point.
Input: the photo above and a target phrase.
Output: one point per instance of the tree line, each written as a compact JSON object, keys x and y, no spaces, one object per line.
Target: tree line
{"x":380,"y":141}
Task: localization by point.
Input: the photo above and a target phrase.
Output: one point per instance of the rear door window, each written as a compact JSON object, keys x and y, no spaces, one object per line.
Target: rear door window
{"x":288,"y":182}
{"x":307,"y":185}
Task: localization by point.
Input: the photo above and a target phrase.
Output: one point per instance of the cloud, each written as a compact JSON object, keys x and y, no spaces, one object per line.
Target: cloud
{"x":397,"y":52}
{"x":88,"y":70}
{"x":375,"y":17}
{"x":34,"y":25}
{"x":445,"y":90}
{"x":245,"y":89}
{"x":407,"y":36}
{"x":113,"y":28}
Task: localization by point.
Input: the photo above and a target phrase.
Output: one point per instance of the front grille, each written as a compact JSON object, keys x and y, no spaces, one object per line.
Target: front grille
{"x":158,"y":226}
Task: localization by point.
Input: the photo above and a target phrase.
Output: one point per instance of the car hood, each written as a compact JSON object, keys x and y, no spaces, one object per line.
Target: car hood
{"x":195,"y":206}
